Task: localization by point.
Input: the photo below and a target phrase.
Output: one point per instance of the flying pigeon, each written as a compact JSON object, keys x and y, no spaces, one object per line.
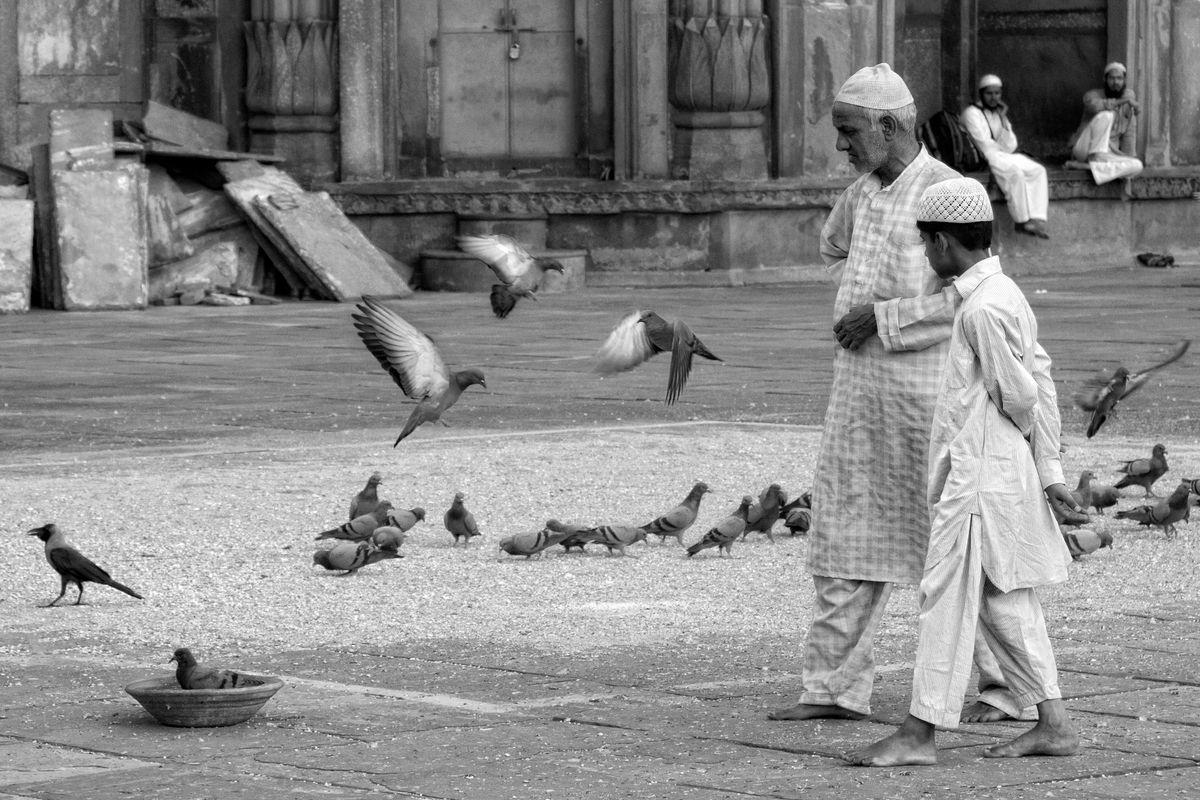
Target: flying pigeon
{"x":414,"y":363}
{"x":1144,"y":471}
{"x":1101,"y":393}
{"x":725,"y":533}
{"x":73,"y":566}
{"x":1165,"y":513}
{"x":191,"y":675}
{"x":680,"y":518}
{"x":368,"y":499}
{"x":352,"y":556}
{"x":459,"y":521}
{"x":360,"y":528}
{"x":643,"y":334}
{"x":520,"y":273}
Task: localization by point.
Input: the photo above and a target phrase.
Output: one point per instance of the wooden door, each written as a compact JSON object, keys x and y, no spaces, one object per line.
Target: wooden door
{"x":508,"y":86}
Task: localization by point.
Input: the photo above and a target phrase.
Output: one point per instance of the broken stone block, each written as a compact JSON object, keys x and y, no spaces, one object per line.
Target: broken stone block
{"x":166,"y":239}
{"x":242,"y":238}
{"x":179,"y":127}
{"x":214,"y":266}
{"x":81,"y":138}
{"x":101,"y":240}
{"x":16,"y":255}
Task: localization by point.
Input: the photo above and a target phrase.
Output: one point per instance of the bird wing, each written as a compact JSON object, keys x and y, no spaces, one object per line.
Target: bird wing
{"x":70,"y":562}
{"x":503,"y":300}
{"x":1138,"y":379}
{"x":1137,"y":466}
{"x":625,"y":348}
{"x":1106,"y":401}
{"x":1087,"y":397}
{"x":502,"y":253}
{"x":408,"y":355}
{"x":683,"y":345}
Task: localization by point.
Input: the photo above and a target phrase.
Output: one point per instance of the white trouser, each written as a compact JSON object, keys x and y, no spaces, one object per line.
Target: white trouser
{"x":955,"y":598}
{"x":1024,"y":184}
{"x":1093,"y":146}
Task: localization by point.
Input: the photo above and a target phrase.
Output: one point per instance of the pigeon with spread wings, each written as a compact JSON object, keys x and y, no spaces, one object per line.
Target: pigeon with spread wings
{"x":643,"y":334}
{"x":520,"y":273}
{"x":414,"y":363}
{"x":1102,"y":392}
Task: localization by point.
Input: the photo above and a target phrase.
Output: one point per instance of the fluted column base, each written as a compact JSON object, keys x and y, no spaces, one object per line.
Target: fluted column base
{"x":719,"y":145}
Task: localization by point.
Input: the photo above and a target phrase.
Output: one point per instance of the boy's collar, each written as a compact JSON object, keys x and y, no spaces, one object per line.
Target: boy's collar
{"x":976,"y":274}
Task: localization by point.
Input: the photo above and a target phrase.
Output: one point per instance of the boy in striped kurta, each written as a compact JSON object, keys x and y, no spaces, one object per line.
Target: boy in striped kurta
{"x":870,"y":523}
{"x":994,"y":453}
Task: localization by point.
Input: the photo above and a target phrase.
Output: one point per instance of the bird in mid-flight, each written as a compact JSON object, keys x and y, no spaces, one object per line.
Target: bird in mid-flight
{"x":643,"y":334}
{"x":519,"y":272}
{"x":73,"y":566}
{"x":414,"y":363}
{"x":1101,"y":393}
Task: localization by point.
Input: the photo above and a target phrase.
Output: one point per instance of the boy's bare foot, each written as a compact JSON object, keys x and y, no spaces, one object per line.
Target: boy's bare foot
{"x":911,"y":743}
{"x":802,"y":711}
{"x":1053,"y":735}
{"x":982,"y":712}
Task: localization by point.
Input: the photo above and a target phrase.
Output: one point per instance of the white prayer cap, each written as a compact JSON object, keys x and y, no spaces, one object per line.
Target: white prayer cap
{"x":956,"y":200}
{"x":1115,"y":65}
{"x":875,"y":87}
{"x":989,"y":80}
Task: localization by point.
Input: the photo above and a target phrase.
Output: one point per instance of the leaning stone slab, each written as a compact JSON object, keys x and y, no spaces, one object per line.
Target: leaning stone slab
{"x":214,"y":266}
{"x":16,"y":255}
{"x":81,"y":138}
{"x":101,"y":241}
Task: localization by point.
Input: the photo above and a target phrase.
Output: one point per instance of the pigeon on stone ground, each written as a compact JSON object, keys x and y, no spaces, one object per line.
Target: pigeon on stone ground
{"x":73,"y":566}
{"x":519,"y":272}
{"x":532,"y":544}
{"x":1101,"y":393}
{"x":404,"y":519}
{"x":797,"y":514}
{"x":1085,"y":541}
{"x":643,"y":334}
{"x":352,"y":556}
{"x":388,"y":537}
{"x":360,"y":528}
{"x":680,"y":518}
{"x":765,"y":511}
{"x":575,"y":534}
{"x":367,"y":500}
{"x":615,"y":537}
{"x":459,"y":521}
{"x":724,"y":533}
{"x":1090,"y":494}
{"x":191,"y":675}
{"x":1144,"y":471}
{"x":414,"y":363}
{"x":1165,"y":513}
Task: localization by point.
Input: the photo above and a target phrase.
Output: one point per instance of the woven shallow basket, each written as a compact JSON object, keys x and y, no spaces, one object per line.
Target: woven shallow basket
{"x":203,"y":708}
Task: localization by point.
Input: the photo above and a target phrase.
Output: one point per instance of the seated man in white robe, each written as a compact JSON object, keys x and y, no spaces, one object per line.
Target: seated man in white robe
{"x":1106,"y":140}
{"x":1022,"y":179}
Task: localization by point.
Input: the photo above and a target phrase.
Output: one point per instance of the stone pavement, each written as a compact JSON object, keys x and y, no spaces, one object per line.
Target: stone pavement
{"x":449,"y":719}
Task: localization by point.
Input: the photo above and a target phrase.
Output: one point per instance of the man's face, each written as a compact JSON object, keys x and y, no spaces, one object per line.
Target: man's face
{"x":1115,"y":81}
{"x":867,"y":149}
{"x":990,"y":95}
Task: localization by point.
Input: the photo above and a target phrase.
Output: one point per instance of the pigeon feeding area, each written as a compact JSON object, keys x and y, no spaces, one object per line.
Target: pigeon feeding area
{"x":159,"y":212}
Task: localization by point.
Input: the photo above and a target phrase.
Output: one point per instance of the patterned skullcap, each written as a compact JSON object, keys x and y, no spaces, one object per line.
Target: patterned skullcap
{"x":1115,"y":65}
{"x":875,"y":87}
{"x":989,"y":80}
{"x":955,"y":200}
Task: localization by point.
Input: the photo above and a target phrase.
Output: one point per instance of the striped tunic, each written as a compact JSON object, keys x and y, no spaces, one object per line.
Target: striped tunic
{"x":870,"y":519}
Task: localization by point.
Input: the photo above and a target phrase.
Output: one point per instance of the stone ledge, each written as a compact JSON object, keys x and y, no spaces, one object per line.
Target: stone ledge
{"x":566,"y":196}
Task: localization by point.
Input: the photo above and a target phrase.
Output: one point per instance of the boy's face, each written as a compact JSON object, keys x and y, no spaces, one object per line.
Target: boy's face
{"x":937,"y":251}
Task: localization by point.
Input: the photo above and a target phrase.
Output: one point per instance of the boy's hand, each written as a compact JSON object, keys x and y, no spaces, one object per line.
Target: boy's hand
{"x":1061,"y":502}
{"x":856,"y":326}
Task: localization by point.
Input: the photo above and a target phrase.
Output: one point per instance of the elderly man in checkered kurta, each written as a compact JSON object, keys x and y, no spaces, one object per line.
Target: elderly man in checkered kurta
{"x":870,"y":522}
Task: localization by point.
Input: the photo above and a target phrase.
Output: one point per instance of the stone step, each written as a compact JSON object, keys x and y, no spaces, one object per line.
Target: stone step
{"x":529,"y":231}
{"x":455,"y":271}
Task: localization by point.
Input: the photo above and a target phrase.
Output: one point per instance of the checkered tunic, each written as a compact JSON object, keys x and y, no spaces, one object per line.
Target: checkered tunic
{"x":870,"y":519}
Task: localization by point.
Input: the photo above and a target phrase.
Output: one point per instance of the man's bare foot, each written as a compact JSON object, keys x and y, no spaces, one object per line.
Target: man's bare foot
{"x":980,"y":711}
{"x":802,"y":711}
{"x":911,"y":743}
{"x":1053,"y":735}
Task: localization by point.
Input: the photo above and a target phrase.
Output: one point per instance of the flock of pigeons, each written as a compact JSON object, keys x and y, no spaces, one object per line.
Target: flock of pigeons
{"x":376,"y":528}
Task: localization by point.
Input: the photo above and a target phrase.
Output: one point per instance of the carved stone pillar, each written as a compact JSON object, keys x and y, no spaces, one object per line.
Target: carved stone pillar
{"x":719,"y":88}
{"x":291,"y":84}
{"x":1184,"y":84}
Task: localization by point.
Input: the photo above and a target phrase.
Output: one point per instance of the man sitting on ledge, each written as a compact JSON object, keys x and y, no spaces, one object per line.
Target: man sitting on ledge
{"x":1107,"y":136}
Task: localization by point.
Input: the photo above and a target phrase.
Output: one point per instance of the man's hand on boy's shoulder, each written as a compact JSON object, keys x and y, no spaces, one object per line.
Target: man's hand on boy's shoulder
{"x":1062,"y":503}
